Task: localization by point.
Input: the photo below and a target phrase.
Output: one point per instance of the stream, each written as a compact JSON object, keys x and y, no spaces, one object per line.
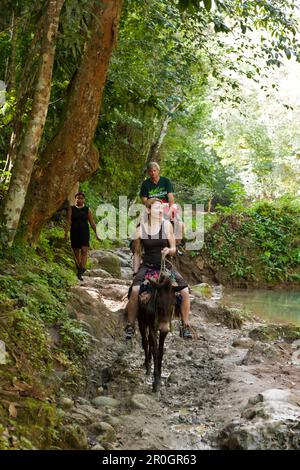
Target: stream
{"x":270,"y":305}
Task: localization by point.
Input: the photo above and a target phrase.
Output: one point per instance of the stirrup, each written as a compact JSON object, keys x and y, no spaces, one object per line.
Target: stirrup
{"x":129,"y":331}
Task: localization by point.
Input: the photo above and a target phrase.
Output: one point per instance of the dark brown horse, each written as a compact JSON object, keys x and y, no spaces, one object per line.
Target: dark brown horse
{"x":154,"y":315}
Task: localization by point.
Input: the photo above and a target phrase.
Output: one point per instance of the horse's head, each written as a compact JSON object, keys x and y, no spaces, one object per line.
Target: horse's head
{"x":163,"y":299}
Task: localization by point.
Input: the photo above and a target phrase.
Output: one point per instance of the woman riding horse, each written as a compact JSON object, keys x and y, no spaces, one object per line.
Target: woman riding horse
{"x":155,"y":236}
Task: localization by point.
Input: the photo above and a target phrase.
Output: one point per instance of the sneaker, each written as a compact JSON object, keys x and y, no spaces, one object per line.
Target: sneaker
{"x":186,"y":332}
{"x":129,"y":331}
{"x":80,"y":271}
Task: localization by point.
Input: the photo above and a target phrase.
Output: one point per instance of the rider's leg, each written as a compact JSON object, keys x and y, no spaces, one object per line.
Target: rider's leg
{"x":132,"y":310}
{"x":132,"y":306}
{"x":185,"y":305}
{"x":185,"y":312}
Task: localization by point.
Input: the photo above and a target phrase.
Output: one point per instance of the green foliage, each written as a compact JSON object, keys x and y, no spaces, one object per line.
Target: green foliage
{"x":260,"y":244}
{"x":34,"y":286}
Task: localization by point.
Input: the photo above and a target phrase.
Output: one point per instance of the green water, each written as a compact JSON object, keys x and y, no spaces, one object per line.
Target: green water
{"x":278,"y":306}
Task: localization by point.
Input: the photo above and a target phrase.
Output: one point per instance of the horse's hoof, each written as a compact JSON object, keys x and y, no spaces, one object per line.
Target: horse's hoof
{"x":156,"y":387}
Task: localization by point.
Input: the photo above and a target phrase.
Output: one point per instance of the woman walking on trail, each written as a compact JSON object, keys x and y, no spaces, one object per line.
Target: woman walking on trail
{"x":78,"y":219}
{"x":155,"y":236}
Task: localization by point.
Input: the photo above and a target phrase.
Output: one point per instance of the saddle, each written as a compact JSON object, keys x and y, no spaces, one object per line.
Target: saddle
{"x":146,"y":288}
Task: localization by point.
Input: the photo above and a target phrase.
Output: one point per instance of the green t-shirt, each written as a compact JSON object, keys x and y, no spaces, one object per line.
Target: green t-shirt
{"x":157,"y":190}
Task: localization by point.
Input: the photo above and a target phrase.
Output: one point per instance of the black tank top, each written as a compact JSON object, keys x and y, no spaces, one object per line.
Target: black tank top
{"x":153,"y":244}
{"x":79,"y":218}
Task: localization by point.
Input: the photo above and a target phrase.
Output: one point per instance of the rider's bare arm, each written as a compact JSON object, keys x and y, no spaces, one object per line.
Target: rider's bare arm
{"x":171,"y":199}
{"x":171,"y":239}
{"x":136,"y":249}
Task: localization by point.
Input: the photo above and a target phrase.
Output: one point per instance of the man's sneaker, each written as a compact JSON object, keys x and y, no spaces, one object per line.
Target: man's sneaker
{"x":129,"y":331}
{"x":79,"y":273}
{"x":186,"y":332}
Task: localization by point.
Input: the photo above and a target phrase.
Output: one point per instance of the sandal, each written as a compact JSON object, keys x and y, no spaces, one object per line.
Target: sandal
{"x":186,"y":332}
{"x":129,"y":331}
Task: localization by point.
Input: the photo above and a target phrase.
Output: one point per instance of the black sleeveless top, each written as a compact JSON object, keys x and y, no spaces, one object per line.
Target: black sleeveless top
{"x":153,"y":244}
{"x":79,"y":233}
{"x":79,"y":219}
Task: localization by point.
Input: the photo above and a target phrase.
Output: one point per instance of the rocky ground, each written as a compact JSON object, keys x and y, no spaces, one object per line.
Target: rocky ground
{"x":236,"y":385}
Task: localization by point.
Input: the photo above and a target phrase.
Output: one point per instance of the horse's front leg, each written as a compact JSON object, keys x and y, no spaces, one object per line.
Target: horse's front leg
{"x":146,"y":346}
{"x":154,"y":348}
{"x":162,"y":337}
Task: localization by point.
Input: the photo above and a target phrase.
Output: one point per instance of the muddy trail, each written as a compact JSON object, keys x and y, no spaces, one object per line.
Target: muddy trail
{"x":230,"y":387}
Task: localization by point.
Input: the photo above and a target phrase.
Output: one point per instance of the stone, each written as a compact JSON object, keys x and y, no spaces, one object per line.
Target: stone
{"x":98,"y":273}
{"x":271,"y":332}
{"x":107,"y":261}
{"x":65,"y":403}
{"x":97,"y":447}
{"x":107,"y":432}
{"x":112,"y":420}
{"x":204,"y":289}
{"x":105,"y":401}
{"x":126,"y":273}
{"x":296,"y":344}
{"x":270,"y":420}
{"x":3,"y":353}
{"x":259,"y":352}
{"x":141,"y":402}
{"x":243,"y":342}
{"x":74,"y":437}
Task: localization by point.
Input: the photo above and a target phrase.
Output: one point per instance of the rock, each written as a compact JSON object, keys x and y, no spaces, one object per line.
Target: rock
{"x":215,"y":312}
{"x":107,"y":261}
{"x":103,"y":428}
{"x":97,"y":447}
{"x":270,"y":420}
{"x":87,"y":302}
{"x":259,"y":352}
{"x":126,"y":273}
{"x":82,"y":401}
{"x":243,"y":342}
{"x":65,"y":403}
{"x":204,"y":289}
{"x":296,"y":358}
{"x":296,"y":344}
{"x":98,"y":273}
{"x":3,"y":353}
{"x":74,"y":437}
{"x":271,"y":332}
{"x":112,"y":420}
{"x":105,"y":401}
{"x":141,"y":402}
{"x":55,"y":339}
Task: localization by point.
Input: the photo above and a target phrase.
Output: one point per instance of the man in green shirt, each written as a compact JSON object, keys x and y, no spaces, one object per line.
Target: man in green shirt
{"x":156,"y":187}
{"x":159,"y":188}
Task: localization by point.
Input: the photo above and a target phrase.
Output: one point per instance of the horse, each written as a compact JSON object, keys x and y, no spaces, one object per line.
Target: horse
{"x":154,"y":315}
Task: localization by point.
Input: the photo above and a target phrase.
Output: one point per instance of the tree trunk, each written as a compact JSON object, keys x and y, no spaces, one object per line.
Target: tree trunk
{"x":10,"y":77}
{"x":153,"y":154}
{"x":27,"y":154}
{"x":71,"y":157}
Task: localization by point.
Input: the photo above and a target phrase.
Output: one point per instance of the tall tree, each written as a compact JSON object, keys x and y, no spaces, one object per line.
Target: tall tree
{"x":29,"y":146}
{"x":71,"y":156}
